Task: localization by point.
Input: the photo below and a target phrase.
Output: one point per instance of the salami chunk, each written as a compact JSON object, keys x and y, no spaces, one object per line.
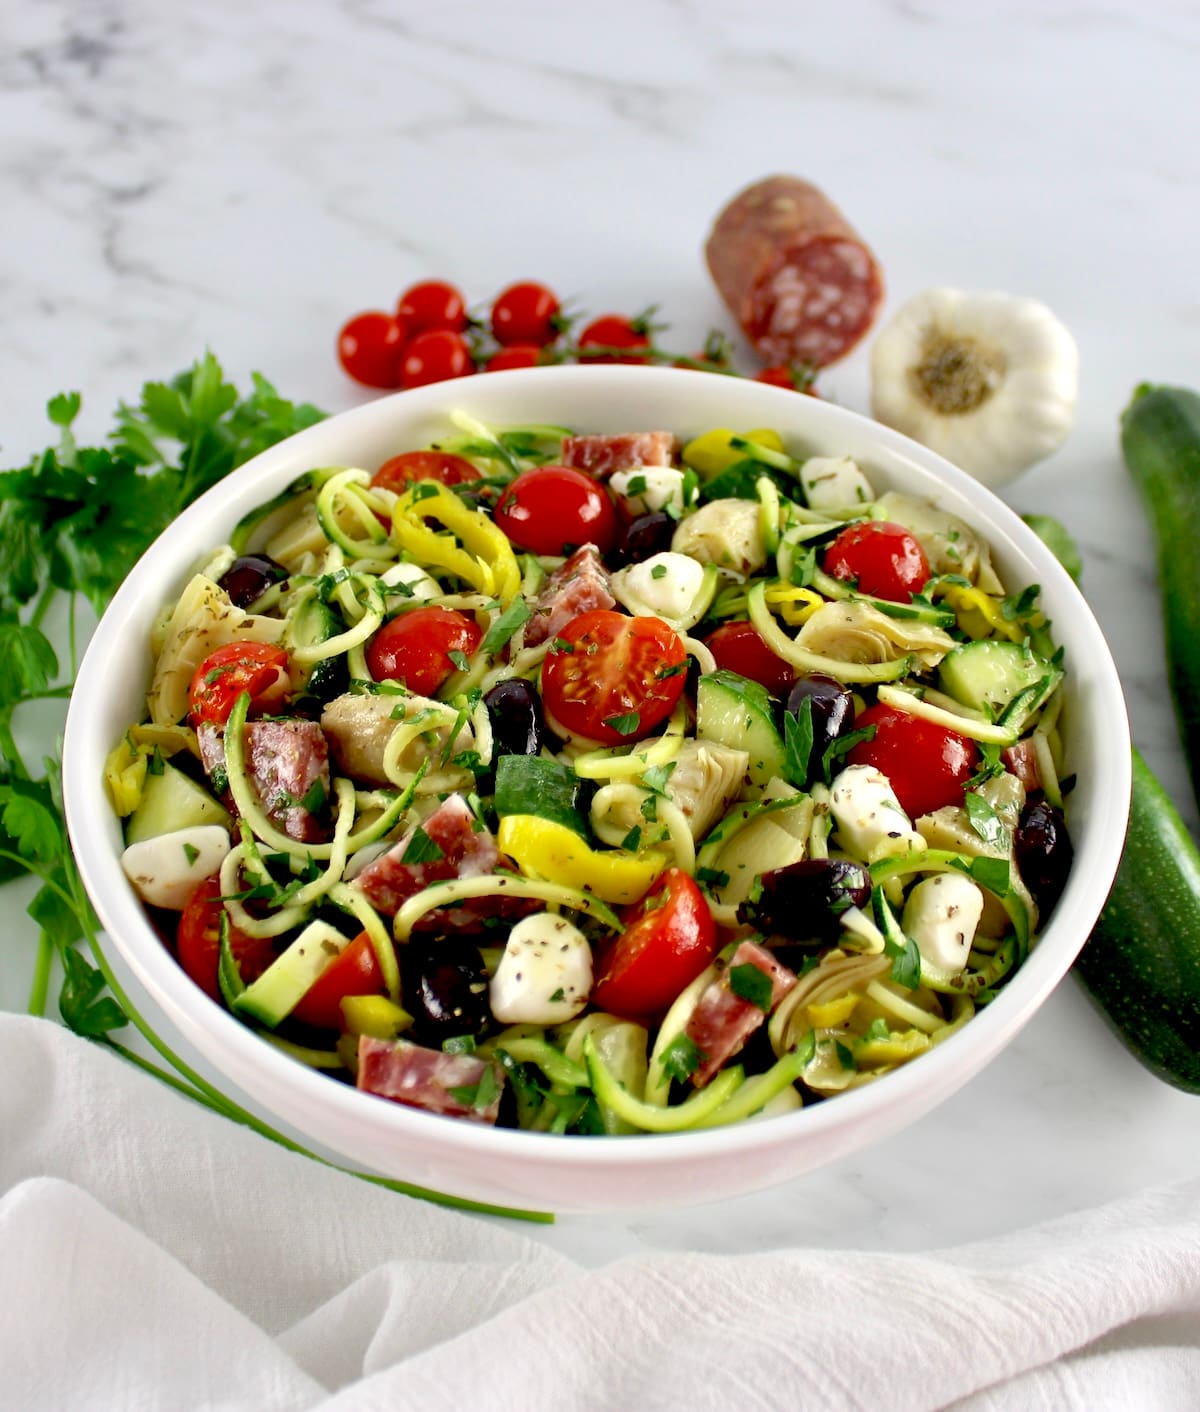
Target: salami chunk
{"x":724,"y":1020}
{"x":458,"y":1085}
{"x":288,"y":765}
{"x":578,"y":586}
{"x":451,"y":843}
{"x":603,"y":454}
{"x":796,"y":276}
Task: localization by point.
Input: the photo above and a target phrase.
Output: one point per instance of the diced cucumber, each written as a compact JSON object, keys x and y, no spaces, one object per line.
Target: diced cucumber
{"x":172,"y":801}
{"x":281,"y":987}
{"x":529,"y":784}
{"x":309,"y":624}
{"x":996,"y":676}
{"x":737,"y":712}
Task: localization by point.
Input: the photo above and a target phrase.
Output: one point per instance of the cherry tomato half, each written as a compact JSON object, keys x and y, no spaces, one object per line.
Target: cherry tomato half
{"x":613,"y":332}
{"x":414,"y":648}
{"x":516,"y":355}
{"x":883,"y":558}
{"x":669,"y":938}
{"x":612,"y":678}
{"x":432,"y":304}
{"x":404,"y":470}
{"x":435,"y":356}
{"x":198,"y":941}
{"x":739,"y":647}
{"x":369,"y":347}
{"x":257,"y":667}
{"x":555,"y":509}
{"x":526,"y":313}
{"x":926,"y":764}
{"x":355,"y":971}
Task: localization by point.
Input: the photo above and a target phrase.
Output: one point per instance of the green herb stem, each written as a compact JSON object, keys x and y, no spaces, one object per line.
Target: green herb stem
{"x":40,"y":989}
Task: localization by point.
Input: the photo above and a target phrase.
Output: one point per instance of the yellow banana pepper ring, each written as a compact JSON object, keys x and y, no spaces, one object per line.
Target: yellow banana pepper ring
{"x":484,"y":558}
{"x":552,"y":852}
{"x":794,"y":605}
{"x":712,"y":452}
{"x":979,"y":614}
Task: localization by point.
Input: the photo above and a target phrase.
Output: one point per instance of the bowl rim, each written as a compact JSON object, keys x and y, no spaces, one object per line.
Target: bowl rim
{"x":88,"y":811}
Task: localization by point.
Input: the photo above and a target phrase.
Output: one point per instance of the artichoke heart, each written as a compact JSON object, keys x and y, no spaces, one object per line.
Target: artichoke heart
{"x":854,"y":631}
{"x":950,"y":544}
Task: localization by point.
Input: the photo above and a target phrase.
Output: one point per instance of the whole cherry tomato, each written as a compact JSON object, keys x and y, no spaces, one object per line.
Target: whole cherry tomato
{"x":435,"y":356}
{"x":526,"y":313}
{"x":794,"y":378}
{"x":613,"y":332}
{"x":612,"y":678}
{"x":414,"y":648}
{"x":739,"y":647}
{"x":198,"y":941}
{"x":432,"y":304}
{"x":669,"y":938}
{"x":405,"y":470}
{"x":884,"y":559}
{"x":257,"y":667}
{"x":517,"y":355}
{"x":369,"y":347}
{"x":555,"y":509}
{"x":927,"y":764}
{"x":355,"y":971}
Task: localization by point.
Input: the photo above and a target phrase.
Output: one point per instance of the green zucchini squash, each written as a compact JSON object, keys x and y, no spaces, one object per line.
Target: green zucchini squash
{"x":1141,"y":964}
{"x":1160,"y":440}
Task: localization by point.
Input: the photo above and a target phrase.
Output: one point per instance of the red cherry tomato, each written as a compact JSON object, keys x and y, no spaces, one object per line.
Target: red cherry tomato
{"x":669,"y":938}
{"x":517,"y":355}
{"x":435,"y":356}
{"x":369,"y":347}
{"x":405,"y":470}
{"x":256,"y":667}
{"x":795,"y":379}
{"x":613,"y":331}
{"x":739,"y":647}
{"x":554,"y":509}
{"x":526,"y":313}
{"x":198,"y":941}
{"x":432,"y":304}
{"x":414,"y":648}
{"x":355,"y":971}
{"x":612,"y":678}
{"x":926,"y":764}
{"x":884,"y":559}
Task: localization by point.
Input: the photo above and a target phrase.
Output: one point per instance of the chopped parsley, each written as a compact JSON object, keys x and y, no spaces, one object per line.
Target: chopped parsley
{"x":626,"y":724}
{"x":421,"y":848}
{"x":681,"y":1058}
{"x":191,"y":853}
{"x":515,"y":616}
{"x":752,"y":984}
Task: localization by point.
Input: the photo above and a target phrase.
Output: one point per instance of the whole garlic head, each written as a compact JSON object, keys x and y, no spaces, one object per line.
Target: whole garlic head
{"x":987,"y":380}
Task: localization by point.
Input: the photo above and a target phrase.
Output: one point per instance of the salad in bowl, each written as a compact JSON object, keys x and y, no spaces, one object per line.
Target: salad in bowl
{"x":487,"y":781}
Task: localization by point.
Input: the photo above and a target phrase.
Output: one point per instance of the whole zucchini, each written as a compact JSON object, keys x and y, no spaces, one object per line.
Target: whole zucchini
{"x":1141,"y":964}
{"x":1160,"y":440}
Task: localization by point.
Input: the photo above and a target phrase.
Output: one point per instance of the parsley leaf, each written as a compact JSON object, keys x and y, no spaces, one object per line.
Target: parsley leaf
{"x":626,"y":724}
{"x":681,"y":1058}
{"x":752,"y":984}
{"x":421,"y":848}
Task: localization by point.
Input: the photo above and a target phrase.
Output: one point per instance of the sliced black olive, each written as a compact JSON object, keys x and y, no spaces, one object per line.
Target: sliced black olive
{"x":805,"y":900}
{"x":832,"y":707}
{"x":445,"y":989}
{"x":515,"y":712}
{"x":249,"y":577}
{"x":1043,"y":852}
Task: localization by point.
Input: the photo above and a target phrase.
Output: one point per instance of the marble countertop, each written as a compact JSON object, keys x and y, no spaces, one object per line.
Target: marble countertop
{"x":242,"y":178}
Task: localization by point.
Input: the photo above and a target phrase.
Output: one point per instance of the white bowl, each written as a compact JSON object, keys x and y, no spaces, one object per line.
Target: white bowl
{"x":592,"y":1174}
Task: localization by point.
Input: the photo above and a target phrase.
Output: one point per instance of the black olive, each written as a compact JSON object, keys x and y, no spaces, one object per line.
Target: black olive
{"x":832,"y":708}
{"x":444,"y":987}
{"x":1043,"y":852}
{"x":647,"y":535}
{"x":805,"y":900}
{"x":515,"y":712}
{"x":249,"y":577}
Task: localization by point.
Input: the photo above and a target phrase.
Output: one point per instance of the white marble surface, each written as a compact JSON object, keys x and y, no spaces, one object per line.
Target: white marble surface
{"x":243,"y":177}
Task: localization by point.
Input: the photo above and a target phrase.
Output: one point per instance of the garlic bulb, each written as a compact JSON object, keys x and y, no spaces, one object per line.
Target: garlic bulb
{"x":987,"y":380}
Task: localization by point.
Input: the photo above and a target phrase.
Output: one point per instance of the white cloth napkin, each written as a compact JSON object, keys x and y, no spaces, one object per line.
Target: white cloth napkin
{"x":154,"y":1256}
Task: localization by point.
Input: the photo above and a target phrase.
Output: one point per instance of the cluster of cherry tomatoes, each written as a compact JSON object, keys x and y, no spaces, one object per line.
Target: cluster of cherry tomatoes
{"x":431,"y":337}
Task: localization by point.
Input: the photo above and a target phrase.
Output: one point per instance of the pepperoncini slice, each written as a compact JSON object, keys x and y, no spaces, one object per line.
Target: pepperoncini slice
{"x":474,"y":550}
{"x":794,"y":605}
{"x":125,"y":776}
{"x":552,"y":852}
{"x":980,"y":615}
{"x":712,"y":452}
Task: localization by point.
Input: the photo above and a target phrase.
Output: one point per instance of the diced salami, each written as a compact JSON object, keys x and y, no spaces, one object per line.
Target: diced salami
{"x":1021,"y":760}
{"x":456,"y":1085}
{"x":578,"y":586}
{"x":797,"y":277}
{"x":288,"y":765}
{"x":601,"y":455}
{"x":723,"y":1021}
{"x":455,"y":845}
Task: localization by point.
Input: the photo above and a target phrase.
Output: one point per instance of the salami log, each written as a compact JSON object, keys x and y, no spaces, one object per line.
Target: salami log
{"x":796,"y":276}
